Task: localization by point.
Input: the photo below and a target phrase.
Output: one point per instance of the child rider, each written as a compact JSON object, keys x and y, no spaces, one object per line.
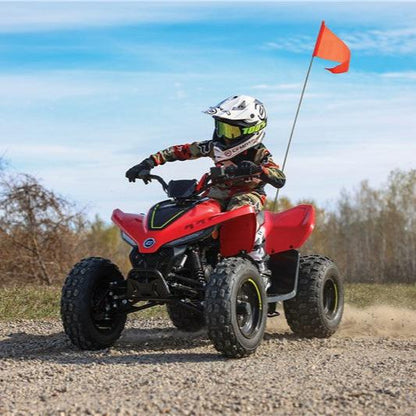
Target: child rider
{"x":240,"y":122}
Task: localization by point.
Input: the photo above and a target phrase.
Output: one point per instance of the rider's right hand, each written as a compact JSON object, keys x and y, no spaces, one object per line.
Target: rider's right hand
{"x":245,"y":168}
{"x":231,"y":170}
{"x":140,"y":171}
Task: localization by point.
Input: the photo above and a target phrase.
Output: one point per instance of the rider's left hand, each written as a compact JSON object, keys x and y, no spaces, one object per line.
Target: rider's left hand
{"x":140,"y":171}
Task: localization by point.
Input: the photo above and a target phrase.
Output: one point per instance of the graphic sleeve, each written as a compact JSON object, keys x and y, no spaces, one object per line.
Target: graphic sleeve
{"x":190,"y":151}
{"x":271,"y":173}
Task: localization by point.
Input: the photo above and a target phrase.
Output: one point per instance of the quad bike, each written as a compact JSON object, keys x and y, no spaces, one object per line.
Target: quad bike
{"x":190,"y":255}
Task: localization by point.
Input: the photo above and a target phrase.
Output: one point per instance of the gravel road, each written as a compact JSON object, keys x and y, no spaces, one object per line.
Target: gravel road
{"x":368,"y":368}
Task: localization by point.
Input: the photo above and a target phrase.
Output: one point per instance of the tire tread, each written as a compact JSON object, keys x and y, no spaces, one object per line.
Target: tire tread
{"x":217,"y":307}
{"x":73,"y":319}
{"x":303,"y":313}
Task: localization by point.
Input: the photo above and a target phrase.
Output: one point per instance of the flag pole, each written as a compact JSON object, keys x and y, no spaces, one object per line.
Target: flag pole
{"x":325,"y":51}
{"x":317,"y":43}
{"x":293,"y":127}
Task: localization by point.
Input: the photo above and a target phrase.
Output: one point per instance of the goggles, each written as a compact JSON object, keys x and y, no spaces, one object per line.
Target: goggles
{"x":227,"y":131}
{"x":230,"y":132}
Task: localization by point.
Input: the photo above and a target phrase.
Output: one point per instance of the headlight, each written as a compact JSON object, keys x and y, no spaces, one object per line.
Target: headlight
{"x":191,"y":237}
{"x":128,"y":240}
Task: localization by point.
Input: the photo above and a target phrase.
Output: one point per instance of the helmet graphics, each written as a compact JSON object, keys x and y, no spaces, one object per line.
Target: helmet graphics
{"x":239,"y":125}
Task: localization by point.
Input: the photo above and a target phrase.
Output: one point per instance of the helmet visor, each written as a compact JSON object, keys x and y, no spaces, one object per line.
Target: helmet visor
{"x":227,"y":131}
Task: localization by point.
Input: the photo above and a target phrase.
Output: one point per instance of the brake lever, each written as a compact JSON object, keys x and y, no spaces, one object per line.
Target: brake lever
{"x":159,"y":179}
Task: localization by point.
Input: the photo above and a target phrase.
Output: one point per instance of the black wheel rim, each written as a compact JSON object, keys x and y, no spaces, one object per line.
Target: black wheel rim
{"x":249,"y":308}
{"x":102,"y":316}
{"x":330,"y":298}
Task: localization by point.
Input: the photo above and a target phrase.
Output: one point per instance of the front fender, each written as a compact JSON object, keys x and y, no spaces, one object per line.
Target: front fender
{"x":238,"y":232}
{"x":237,"y":228}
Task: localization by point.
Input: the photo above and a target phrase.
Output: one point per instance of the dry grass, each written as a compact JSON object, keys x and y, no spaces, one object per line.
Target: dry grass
{"x":31,"y":302}
{"x":367,"y":294}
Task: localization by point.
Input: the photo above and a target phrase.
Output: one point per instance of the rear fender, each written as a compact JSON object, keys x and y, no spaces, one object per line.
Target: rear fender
{"x":288,"y":229}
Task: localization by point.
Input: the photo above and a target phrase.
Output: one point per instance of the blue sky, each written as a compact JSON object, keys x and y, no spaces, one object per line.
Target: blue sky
{"x":89,"y":89}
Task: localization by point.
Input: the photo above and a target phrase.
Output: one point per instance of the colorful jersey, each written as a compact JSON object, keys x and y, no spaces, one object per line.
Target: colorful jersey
{"x":258,"y":154}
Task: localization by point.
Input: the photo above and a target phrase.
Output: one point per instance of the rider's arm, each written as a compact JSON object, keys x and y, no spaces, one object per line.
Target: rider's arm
{"x":193,"y":150}
{"x":271,"y":173}
{"x":180,"y":152}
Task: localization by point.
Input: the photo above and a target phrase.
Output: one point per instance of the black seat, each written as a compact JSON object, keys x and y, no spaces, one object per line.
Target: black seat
{"x":181,"y":189}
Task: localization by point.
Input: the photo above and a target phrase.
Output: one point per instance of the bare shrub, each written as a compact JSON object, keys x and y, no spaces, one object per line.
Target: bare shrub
{"x":40,"y":232}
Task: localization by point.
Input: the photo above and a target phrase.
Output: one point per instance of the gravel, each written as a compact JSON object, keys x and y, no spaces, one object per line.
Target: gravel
{"x":155,"y":369}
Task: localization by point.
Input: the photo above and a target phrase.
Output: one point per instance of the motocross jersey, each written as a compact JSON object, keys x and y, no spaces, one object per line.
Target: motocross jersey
{"x":214,"y":149}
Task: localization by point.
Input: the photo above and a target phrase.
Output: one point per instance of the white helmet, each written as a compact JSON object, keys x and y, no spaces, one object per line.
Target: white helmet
{"x":239,"y":108}
{"x":239,"y":119}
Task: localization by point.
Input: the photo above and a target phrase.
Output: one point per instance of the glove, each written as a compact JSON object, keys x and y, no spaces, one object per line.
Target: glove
{"x":231,"y":170}
{"x":141,"y":171}
{"x":246,"y":167}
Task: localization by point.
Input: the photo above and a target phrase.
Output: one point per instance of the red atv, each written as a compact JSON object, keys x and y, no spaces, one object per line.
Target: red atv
{"x":188,"y":254}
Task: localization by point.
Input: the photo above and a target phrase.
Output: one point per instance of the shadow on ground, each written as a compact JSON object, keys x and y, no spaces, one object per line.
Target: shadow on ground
{"x":134,"y":345}
{"x":150,"y":345}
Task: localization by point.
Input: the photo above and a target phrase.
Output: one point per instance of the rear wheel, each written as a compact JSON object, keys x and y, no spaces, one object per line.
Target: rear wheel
{"x":317,"y":309}
{"x":235,"y":307}
{"x":86,"y":311}
{"x":184,"y":318}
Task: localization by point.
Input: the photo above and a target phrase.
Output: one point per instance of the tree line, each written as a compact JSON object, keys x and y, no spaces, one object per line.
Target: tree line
{"x":370,"y":233}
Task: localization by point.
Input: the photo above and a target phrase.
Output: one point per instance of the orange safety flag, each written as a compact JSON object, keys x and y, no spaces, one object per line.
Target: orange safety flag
{"x":329,"y":46}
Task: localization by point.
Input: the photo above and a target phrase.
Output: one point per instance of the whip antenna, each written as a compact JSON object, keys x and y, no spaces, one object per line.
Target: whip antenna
{"x":328,"y":46}
{"x":293,"y":129}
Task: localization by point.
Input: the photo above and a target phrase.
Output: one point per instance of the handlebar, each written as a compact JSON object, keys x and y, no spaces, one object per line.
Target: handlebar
{"x":207,"y":180}
{"x":160,"y":180}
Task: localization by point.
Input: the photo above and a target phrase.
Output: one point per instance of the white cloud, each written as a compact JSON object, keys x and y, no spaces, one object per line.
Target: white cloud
{"x":393,"y":41}
{"x":40,"y":16}
{"x":321,"y":177}
{"x":277,"y":87}
{"x":24,"y":16}
{"x":400,"y":75}
{"x":295,"y":44}
{"x":383,"y":42}
{"x":57,"y":85}
{"x":47,"y":86}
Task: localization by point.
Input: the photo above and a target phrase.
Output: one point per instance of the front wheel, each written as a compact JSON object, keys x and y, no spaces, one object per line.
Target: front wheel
{"x":235,"y":307}
{"x":317,"y":308}
{"x":86,"y":312}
